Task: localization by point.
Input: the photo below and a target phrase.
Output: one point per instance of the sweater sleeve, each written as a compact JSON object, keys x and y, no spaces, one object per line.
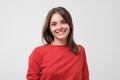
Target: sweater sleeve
{"x":33,"y":72}
{"x":85,"y":67}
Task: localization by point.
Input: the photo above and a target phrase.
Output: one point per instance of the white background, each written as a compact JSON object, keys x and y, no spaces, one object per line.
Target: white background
{"x":96,"y":27}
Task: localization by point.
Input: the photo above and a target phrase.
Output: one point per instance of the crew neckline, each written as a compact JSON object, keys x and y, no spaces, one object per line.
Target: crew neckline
{"x":57,"y":45}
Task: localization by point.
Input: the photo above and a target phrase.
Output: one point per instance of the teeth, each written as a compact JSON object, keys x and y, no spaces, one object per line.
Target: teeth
{"x":60,"y":32}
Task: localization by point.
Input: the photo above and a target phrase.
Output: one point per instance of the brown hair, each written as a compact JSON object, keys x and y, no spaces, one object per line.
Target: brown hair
{"x":47,"y":35}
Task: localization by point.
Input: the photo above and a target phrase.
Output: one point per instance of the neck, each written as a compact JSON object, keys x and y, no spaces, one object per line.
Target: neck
{"x":56,"y":42}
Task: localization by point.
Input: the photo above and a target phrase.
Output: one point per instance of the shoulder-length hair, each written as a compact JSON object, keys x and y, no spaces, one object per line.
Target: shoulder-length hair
{"x":47,"y":35}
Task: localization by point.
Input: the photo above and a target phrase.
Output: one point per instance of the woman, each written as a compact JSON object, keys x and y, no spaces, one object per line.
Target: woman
{"x":60,"y":58}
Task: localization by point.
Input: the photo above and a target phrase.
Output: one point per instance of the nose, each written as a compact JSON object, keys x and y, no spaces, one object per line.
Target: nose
{"x":59,"y":26}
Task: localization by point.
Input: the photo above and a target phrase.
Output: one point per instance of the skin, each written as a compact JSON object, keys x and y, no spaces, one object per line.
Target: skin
{"x":59,"y":29}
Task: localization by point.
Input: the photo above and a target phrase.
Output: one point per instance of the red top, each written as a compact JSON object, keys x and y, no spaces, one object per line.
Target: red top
{"x":57,"y":62}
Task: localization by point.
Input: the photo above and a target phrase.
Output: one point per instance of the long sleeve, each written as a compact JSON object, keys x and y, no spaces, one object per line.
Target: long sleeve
{"x":50,"y":62}
{"x":85,"y":67}
{"x":33,"y":72}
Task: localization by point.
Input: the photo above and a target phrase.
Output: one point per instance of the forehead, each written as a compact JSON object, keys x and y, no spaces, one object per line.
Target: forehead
{"x":56,"y":17}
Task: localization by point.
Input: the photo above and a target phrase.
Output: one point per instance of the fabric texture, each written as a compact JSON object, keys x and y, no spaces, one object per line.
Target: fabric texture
{"x":57,"y":62}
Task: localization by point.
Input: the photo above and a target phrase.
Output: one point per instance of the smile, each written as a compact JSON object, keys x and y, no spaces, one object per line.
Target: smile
{"x":61,"y":32}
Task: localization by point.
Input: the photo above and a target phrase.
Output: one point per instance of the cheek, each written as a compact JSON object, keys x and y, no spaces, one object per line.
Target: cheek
{"x":52,"y":30}
{"x":68,"y":31}
{"x":68,"y":28}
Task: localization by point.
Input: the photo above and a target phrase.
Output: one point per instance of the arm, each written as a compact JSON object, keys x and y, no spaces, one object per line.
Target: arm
{"x":85,"y":67}
{"x":33,"y":72}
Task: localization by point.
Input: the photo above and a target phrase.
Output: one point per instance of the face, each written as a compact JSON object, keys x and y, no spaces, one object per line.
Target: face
{"x":59,"y":28}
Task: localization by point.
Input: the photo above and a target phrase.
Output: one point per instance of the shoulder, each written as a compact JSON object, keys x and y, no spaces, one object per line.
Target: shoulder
{"x":38,"y":49}
{"x":41,"y":48}
{"x":81,"y":48}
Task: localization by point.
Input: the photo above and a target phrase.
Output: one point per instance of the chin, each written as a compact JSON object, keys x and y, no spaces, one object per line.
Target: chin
{"x":62,"y":38}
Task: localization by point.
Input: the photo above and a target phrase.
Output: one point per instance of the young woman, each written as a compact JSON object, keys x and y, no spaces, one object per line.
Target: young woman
{"x":60,"y":58}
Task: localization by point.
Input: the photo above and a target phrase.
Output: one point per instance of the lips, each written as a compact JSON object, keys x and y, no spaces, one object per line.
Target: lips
{"x":60,"y":32}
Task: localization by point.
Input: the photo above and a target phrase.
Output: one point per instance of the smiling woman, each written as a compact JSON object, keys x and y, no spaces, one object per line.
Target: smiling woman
{"x":61,"y":58}
{"x":59,"y":29}
{"x":65,"y":15}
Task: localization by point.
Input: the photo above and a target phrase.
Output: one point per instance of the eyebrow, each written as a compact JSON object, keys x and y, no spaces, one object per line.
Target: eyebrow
{"x":55,"y":21}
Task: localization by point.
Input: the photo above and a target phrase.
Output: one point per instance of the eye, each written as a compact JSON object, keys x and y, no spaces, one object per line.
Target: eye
{"x":64,"y":22}
{"x":53,"y":24}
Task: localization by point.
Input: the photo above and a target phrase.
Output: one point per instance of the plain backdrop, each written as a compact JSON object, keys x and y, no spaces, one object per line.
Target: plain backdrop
{"x":96,"y":27}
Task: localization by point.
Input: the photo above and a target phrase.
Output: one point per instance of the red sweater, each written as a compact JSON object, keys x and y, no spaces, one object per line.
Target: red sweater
{"x":56,"y":62}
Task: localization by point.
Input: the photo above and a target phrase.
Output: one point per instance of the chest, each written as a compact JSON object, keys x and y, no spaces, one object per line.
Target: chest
{"x":59,"y":62}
